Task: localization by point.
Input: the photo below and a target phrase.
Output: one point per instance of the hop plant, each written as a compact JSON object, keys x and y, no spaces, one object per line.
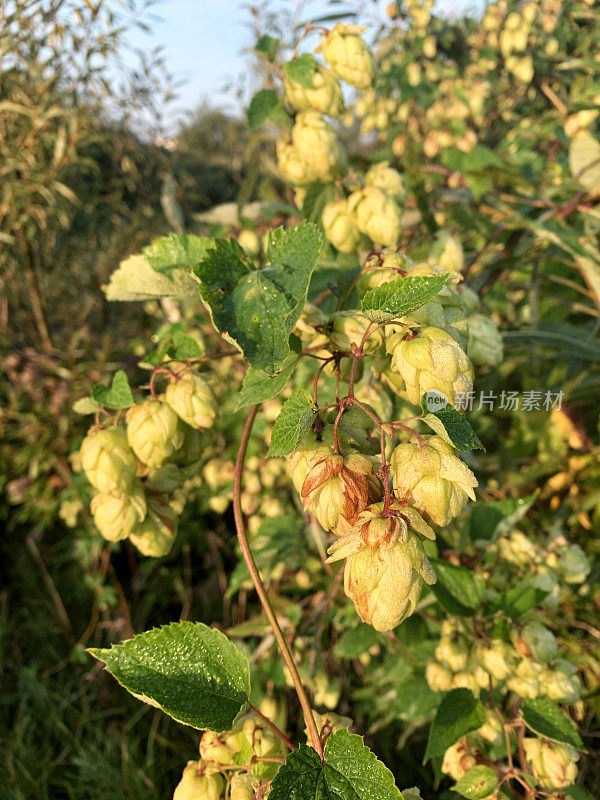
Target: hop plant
{"x":432,"y":478}
{"x":348,"y":55}
{"x":116,"y":515}
{"x":458,"y":759}
{"x":431,"y":360}
{"x":192,"y":399}
{"x":485,"y":341}
{"x":153,"y":432}
{"x":196,"y":785}
{"x":108,"y":461}
{"x":554,"y":765}
{"x":376,"y":214}
{"x":154,"y":536}
{"x":340,"y":227}
{"x":337,"y":488}
{"x":324,"y":95}
{"x":386,"y":565}
{"x":314,"y":152}
{"x":349,"y":330}
{"x":388,"y":179}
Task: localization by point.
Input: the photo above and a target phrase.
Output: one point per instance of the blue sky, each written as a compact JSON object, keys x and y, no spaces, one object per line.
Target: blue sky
{"x":204,"y":42}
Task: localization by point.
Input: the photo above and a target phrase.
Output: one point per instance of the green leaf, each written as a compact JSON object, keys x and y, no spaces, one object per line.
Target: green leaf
{"x":264,"y":105}
{"x":546,"y":719}
{"x":257,"y":309}
{"x":316,"y":198}
{"x":488,"y":521}
{"x":118,"y":396}
{"x":399,"y":298}
{"x":177,"y":251}
{"x":479,"y":158}
{"x":186,"y":346}
{"x":356,"y":641}
{"x":301,"y":70}
{"x":446,"y":421}
{"x":584,"y":160}
{"x":136,"y":280}
{"x":459,"y":713}
{"x":268,"y":46}
{"x":414,"y":699}
{"x":350,"y":772}
{"x":292,"y":424}
{"x":478,"y":782}
{"x":86,"y":405}
{"x":578,"y":793}
{"x":190,"y":671}
{"x":458,"y":589}
{"x":516,"y":601}
{"x":258,"y":386}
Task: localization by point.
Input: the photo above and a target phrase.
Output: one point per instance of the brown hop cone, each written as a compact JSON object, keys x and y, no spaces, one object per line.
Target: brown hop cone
{"x":338,"y":488}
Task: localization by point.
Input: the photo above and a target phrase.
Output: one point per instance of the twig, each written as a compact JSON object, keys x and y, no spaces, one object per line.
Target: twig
{"x":260,"y":589}
{"x":273,"y":727}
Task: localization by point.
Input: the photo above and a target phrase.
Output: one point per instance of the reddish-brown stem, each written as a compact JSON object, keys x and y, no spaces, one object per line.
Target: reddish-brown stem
{"x":316,"y":381}
{"x":420,"y":440}
{"x":260,"y":589}
{"x":273,"y":727}
{"x":336,"y":443}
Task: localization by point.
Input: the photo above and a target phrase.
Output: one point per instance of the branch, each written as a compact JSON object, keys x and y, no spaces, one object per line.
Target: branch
{"x":260,"y":589}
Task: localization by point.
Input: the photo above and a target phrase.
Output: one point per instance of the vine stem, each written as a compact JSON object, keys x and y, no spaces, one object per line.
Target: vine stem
{"x":272,"y":725}
{"x":260,"y":589}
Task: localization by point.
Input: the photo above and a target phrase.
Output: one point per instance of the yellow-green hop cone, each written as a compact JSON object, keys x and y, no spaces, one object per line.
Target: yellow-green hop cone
{"x":264,"y":744}
{"x":324,"y":95}
{"x":108,"y":461}
{"x":310,"y":451}
{"x":492,"y":729}
{"x":438,"y":677}
{"x":499,"y":659}
{"x":154,"y":536}
{"x":116,"y":515}
{"x":561,"y":683}
{"x":328,"y":723}
{"x":454,"y":652}
{"x":192,"y":399}
{"x":536,"y":641}
{"x":432,"y":478}
{"x":218,"y":748}
{"x":573,"y":564}
{"x":376,"y":215}
{"x":485,"y":342}
{"x":447,"y":251}
{"x":458,"y":760}
{"x":553,"y":765}
{"x":525,"y":680}
{"x":249,"y":241}
{"x":387,"y":179}
{"x":195,"y":785}
{"x":153,"y":432}
{"x":314,"y":152}
{"x":340,"y":227}
{"x":348,"y":55}
{"x":338,"y":488}
{"x":242,"y":786}
{"x":385,"y":584}
{"x":349,"y":328}
{"x":431,"y":360}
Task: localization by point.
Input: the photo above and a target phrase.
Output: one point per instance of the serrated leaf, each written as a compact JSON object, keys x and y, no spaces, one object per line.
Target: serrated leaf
{"x":86,"y":405}
{"x":263,"y":106}
{"x":118,"y":396}
{"x":135,"y":280}
{"x":301,"y":70}
{"x":400,"y":297}
{"x":584,"y":160}
{"x":176,"y":251}
{"x":448,"y":423}
{"x":258,"y":386}
{"x":459,"y":713}
{"x":268,"y":46}
{"x":516,"y":601}
{"x":292,"y":424}
{"x":479,"y":782}
{"x":546,"y":719}
{"x":458,"y":589}
{"x":190,"y":671}
{"x":350,"y":772}
{"x":488,"y":521}
{"x":257,"y":309}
